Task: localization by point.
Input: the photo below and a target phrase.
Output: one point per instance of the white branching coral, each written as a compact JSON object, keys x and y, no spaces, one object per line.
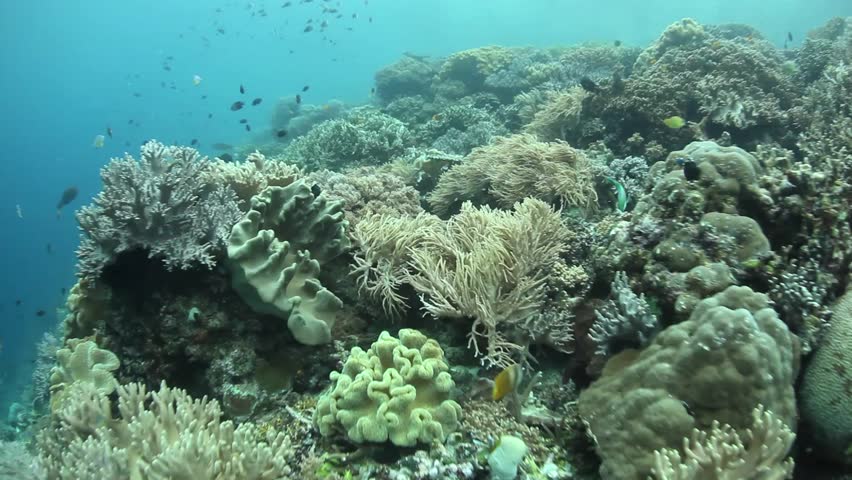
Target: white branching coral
{"x":723,"y":454}
{"x":159,"y":435}
{"x":159,"y":205}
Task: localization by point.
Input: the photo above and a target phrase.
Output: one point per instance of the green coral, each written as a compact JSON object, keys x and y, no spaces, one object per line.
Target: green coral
{"x":397,"y":391}
{"x":275,"y":253}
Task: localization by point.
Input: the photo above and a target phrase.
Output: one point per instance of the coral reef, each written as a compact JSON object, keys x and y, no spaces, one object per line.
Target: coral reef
{"x":81,"y":362}
{"x":397,"y":391}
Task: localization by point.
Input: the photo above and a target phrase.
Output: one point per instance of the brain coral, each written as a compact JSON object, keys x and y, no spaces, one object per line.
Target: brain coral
{"x":731,"y":355}
{"x":827,"y":386}
{"x":398,"y":390}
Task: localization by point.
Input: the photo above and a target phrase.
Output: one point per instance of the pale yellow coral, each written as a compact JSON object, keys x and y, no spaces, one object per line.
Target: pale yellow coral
{"x":250,"y":177}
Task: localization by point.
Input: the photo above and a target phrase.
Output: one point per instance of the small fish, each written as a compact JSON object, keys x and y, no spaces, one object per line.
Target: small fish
{"x":196,"y":80}
{"x":617,"y":43}
{"x":370,"y":19}
{"x":68,"y":196}
{"x":307,"y":29}
{"x":40,"y":313}
{"x":222,"y":146}
{"x":691,"y":172}
{"x":49,"y":249}
{"x":98,"y":142}
{"x":507,"y":381}
{"x":242,"y":89}
{"x":248,"y":127}
{"x":19,"y":211}
{"x":621,"y":197}
{"x":589,"y":85}
{"x":316,"y":190}
{"x":226,"y":157}
{"x":437,"y":117}
{"x":674,"y":122}
{"x":194,"y":142}
{"x":62,"y":291}
{"x":298,"y":99}
{"x":373,"y":91}
{"x":204,"y":97}
{"x":306,"y":88}
{"x":281,"y":133}
{"x":243,"y":120}
{"x":236,"y":106}
{"x":286,"y":4}
{"x":18,"y":302}
{"x":109,"y":132}
{"x":789,"y":36}
{"x":209,"y":115}
{"x":256,"y":102}
{"x":137,"y":94}
{"x":221,"y":30}
{"x":167,"y":68}
{"x":354,"y":15}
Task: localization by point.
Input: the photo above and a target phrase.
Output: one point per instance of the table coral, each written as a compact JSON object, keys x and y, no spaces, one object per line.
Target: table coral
{"x":397,"y":391}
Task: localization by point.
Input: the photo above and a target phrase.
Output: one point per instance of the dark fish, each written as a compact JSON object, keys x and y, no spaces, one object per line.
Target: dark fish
{"x":691,"y":171}
{"x":248,"y":127}
{"x":354,"y":15}
{"x":209,"y":115}
{"x":226,"y":157}
{"x":324,"y":24}
{"x":316,"y":190}
{"x":67,"y":197}
{"x":286,"y":4}
{"x":167,"y":68}
{"x":256,"y":102}
{"x":306,"y":88}
{"x":589,"y":85}
{"x":109,"y":132}
{"x":298,"y":99}
{"x":243,"y":120}
{"x":18,"y":302}
{"x":62,"y":290}
{"x":373,"y":91}
{"x":222,"y":146}
{"x":242,"y":89}
{"x":221,"y":30}
{"x":371,"y":19}
{"x":49,"y":249}
{"x":194,"y":142}
{"x":281,"y":133}
{"x":308,"y":29}
{"x":617,"y":43}
{"x":130,"y":122}
{"x":137,"y":94}
{"x":789,"y":36}
{"x":40,"y":313}
{"x":204,"y":97}
{"x":236,"y":106}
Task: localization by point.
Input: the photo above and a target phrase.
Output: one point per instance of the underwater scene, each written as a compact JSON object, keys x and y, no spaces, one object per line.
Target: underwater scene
{"x":426,"y":240}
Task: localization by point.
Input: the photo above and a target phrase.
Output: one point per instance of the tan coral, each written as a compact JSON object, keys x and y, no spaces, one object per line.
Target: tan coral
{"x":250,"y":177}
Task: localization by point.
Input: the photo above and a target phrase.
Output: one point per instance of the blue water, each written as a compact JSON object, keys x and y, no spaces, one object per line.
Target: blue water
{"x":69,"y":71}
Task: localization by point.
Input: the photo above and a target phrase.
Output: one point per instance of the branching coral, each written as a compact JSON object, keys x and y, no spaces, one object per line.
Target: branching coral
{"x":513,"y":168}
{"x":160,"y":205}
{"x":158,"y":435}
{"x":491,"y":266}
{"x":364,"y":137}
{"x":722,"y":453}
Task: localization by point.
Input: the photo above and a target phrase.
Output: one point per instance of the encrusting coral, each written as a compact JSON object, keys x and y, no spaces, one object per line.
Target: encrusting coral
{"x":397,"y":391}
{"x":275,"y":253}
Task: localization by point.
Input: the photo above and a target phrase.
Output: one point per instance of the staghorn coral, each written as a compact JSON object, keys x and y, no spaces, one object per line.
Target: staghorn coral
{"x":364,"y":136}
{"x":722,"y":453}
{"x":275,"y":253}
{"x":164,"y":434}
{"x":157,"y":204}
{"x":732,"y":354}
{"x":397,"y":391}
{"x":491,"y":266}
{"x":513,"y":168}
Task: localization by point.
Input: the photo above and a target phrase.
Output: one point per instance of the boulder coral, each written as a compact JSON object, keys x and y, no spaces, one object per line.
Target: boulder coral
{"x":731,"y":355}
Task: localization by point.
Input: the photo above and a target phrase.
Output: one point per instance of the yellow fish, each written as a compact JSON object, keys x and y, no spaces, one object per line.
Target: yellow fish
{"x":507,"y":381}
{"x":674,"y":122}
{"x":99,"y":141}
